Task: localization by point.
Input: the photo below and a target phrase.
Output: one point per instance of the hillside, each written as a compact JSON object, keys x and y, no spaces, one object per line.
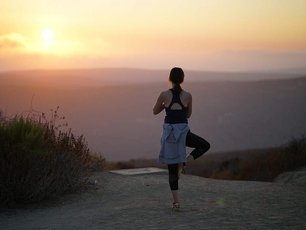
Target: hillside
{"x":117,"y":120}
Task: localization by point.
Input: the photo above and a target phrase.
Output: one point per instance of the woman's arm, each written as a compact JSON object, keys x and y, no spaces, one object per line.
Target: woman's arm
{"x":159,"y":105}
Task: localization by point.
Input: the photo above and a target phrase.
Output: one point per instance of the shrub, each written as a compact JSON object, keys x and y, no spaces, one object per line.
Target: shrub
{"x":38,"y":161}
{"x":257,"y":165}
{"x":265,"y":167}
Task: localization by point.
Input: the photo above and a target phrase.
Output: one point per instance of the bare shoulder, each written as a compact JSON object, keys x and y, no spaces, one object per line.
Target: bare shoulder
{"x":186,"y":98}
{"x":166,"y":97}
{"x":187,"y":95}
{"x":166,"y":94}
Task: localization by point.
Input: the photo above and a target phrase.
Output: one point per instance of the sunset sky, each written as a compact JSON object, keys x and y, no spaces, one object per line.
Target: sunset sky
{"x":156,"y":34}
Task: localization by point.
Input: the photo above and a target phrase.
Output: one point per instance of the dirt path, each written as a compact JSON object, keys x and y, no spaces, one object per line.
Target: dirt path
{"x":143,"y":202}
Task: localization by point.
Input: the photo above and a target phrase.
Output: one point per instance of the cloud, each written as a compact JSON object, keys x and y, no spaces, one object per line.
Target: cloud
{"x":12,"y":41}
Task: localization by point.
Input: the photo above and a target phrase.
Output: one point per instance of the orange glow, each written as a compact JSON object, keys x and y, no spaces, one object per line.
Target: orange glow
{"x":150,"y":34}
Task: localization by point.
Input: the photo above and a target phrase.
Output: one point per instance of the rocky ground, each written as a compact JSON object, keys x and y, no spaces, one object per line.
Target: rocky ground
{"x":144,"y":202}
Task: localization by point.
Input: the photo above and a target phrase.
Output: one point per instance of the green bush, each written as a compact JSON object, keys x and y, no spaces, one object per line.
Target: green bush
{"x":37,"y":161}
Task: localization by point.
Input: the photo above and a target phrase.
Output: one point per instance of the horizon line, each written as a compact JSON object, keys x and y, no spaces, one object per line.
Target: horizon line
{"x":256,"y":71}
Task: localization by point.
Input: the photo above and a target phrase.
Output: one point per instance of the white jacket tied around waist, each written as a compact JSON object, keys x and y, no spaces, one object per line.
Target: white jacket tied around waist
{"x":173,"y":143}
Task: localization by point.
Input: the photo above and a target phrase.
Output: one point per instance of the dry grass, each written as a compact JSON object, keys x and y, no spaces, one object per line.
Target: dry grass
{"x":258,"y":165}
{"x":38,"y":161}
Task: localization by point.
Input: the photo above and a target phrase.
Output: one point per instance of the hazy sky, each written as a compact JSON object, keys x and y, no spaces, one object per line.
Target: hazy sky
{"x":197,"y":34}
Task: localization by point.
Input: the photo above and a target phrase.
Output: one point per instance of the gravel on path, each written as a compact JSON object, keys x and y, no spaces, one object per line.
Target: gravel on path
{"x":144,"y":202}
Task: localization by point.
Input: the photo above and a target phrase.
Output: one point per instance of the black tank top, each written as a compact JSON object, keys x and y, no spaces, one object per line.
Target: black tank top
{"x":177,"y":115}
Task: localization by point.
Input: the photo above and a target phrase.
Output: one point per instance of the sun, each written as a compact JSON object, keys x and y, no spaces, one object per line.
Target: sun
{"x":55,"y":44}
{"x":47,"y":35}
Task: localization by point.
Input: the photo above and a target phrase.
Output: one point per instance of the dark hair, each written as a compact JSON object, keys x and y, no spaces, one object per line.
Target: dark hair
{"x":176,"y":77}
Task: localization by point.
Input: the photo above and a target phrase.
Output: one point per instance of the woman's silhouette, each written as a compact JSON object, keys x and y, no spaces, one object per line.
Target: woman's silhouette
{"x":176,"y":134}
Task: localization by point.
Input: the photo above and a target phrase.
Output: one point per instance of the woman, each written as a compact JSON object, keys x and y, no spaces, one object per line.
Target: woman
{"x":176,"y":134}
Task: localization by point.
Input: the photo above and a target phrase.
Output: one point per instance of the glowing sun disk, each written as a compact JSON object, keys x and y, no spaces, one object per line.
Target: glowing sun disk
{"x":47,"y":35}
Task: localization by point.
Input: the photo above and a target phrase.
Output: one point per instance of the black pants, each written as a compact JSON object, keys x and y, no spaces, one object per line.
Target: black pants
{"x":200,"y":147}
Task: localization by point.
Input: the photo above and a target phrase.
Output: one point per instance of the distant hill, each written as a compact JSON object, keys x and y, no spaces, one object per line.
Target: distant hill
{"x":113,"y":107}
{"x":110,"y":76}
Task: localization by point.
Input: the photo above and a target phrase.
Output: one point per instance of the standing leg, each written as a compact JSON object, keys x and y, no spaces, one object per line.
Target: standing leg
{"x":194,"y":141}
{"x":173,"y":181}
